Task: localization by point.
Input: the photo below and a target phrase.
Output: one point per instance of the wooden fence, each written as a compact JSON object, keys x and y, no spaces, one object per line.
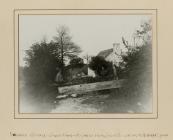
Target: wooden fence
{"x":83,"y":88}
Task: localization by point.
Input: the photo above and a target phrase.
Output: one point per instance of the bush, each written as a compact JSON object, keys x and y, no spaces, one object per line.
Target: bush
{"x":84,"y":80}
{"x":75,"y":62}
{"x":101,"y":67}
{"x":138,"y":70}
{"x":42,"y":63}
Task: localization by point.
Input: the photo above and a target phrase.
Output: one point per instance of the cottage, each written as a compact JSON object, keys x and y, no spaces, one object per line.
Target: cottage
{"x":112,"y":55}
{"x":75,"y":72}
{"x":71,"y":72}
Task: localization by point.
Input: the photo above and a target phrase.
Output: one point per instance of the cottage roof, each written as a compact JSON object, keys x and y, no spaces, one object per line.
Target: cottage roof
{"x":105,"y":53}
{"x":81,"y":68}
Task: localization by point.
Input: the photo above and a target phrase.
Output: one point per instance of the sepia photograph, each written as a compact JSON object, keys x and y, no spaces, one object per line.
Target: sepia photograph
{"x":100,"y":64}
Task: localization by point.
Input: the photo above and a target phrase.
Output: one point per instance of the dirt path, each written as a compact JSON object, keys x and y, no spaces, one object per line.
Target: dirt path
{"x":74,"y":105}
{"x":96,"y":102}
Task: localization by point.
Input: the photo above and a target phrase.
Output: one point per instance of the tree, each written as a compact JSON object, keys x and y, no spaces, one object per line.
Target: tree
{"x":138,"y":64}
{"x":142,"y":37}
{"x":67,"y":47}
{"x":138,"y":70}
{"x":145,"y":32}
{"x":101,"y":67}
{"x":64,"y":42}
{"x":76,"y":62}
{"x":42,"y":60}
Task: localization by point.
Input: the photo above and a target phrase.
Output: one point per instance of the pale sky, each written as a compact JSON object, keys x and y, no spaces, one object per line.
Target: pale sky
{"x":93,"y":33}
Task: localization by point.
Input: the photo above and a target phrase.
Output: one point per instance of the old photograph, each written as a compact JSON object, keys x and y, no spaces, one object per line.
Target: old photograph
{"x":85,"y":64}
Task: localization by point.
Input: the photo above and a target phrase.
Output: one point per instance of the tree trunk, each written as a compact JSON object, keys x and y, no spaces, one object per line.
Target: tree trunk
{"x":62,"y":59}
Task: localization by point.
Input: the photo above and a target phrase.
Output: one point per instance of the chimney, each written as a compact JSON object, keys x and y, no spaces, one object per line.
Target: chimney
{"x":116,"y":48}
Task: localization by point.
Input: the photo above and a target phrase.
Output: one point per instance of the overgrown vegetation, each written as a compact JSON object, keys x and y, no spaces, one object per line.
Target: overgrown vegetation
{"x":138,"y":65}
{"x":101,"y":67}
{"x":138,"y":70}
{"x":76,"y":62}
{"x":44,"y":60}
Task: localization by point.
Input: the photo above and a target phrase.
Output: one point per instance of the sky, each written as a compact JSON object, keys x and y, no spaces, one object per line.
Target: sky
{"x":93,"y":33}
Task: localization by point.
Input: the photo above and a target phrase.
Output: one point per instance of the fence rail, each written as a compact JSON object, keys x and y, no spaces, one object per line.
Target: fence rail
{"x":83,"y":88}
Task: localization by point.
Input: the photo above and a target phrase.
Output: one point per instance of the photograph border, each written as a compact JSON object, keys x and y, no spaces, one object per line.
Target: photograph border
{"x":16,"y":68}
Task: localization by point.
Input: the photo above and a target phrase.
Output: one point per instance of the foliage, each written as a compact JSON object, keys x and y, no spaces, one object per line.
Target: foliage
{"x":138,"y":70}
{"x":75,"y":62}
{"x":68,"y":49}
{"x":138,"y":64}
{"x":145,"y":32}
{"x":88,"y":79}
{"x":42,"y":61}
{"x":100,"y":66}
{"x":65,"y":45}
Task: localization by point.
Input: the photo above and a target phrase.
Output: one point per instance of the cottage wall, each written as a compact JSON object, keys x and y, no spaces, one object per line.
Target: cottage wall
{"x":91,"y":73}
{"x":112,"y":57}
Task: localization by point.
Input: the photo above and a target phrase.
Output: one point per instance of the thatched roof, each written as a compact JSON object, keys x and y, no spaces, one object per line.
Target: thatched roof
{"x":105,"y":53}
{"x":80,"y":68}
